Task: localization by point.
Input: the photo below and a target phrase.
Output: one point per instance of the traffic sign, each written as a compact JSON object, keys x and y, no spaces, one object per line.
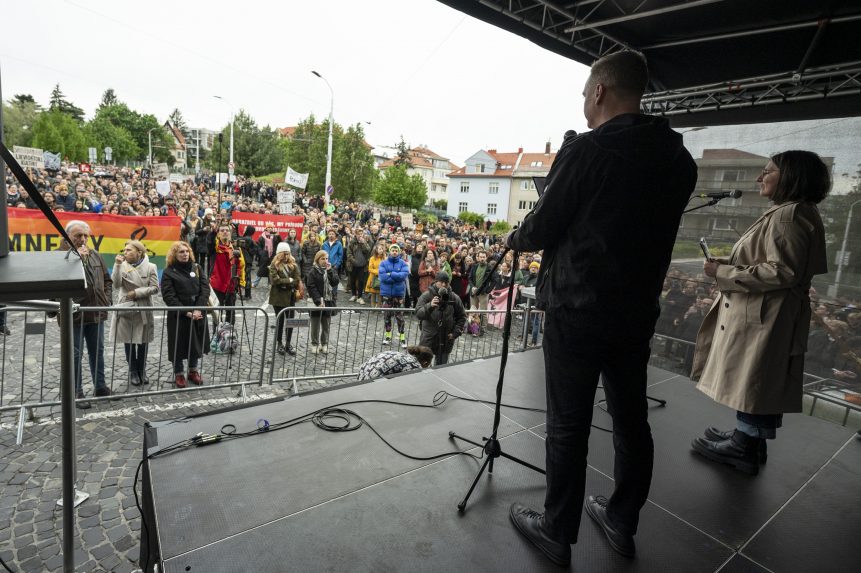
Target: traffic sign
{"x":230,"y":167}
{"x":108,"y":152}
{"x":92,"y":151}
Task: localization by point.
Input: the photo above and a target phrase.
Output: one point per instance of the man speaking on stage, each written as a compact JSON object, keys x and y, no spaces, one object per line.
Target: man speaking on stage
{"x":607,"y":223}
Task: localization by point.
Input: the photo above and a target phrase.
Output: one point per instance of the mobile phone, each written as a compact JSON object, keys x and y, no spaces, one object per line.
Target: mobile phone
{"x":705,"y":247}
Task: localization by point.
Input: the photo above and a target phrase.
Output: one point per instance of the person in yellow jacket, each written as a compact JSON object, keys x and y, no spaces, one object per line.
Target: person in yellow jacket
{"x":372,"y":287}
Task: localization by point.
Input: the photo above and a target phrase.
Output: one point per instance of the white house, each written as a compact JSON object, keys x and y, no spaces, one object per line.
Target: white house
{"x":483,"y":185}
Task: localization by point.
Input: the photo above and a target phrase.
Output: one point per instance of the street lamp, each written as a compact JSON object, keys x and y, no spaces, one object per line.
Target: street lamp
{"x":230,"y":106}
{"x":329,"y":153}
{"x":843,"y":248}
{"x":149,"y":141}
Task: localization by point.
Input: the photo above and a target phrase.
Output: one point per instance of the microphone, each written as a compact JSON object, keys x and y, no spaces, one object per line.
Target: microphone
{"x":734,"y":194}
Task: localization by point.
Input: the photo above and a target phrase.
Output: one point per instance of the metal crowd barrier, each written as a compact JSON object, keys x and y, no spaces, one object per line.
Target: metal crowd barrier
{"x":357,"y":333}
{"x":29,"y":371}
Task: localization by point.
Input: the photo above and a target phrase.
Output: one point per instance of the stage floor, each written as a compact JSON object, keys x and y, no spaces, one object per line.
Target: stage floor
{"x":303,"y":499}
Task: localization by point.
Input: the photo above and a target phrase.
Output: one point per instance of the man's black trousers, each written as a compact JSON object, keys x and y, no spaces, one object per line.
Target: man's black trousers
{"x":579,"y":348}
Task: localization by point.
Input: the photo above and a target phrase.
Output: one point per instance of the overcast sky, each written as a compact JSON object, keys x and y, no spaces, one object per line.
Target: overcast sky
{"x":411,"y":67}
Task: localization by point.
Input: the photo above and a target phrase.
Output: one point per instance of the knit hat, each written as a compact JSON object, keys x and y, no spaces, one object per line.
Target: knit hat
{"x":534,"y":265}
{"x":394,"y":247}
{"x":282,"y":248}
{"x":442,"y":276}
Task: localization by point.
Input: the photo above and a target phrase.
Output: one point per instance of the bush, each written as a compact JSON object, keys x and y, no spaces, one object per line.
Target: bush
{"x":500,"y":227}
{"x":471,"y":218}
{"x":440,"y":204}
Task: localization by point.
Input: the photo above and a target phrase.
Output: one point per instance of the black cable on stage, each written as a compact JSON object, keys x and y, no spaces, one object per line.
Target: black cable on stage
{"x":6,"y":567}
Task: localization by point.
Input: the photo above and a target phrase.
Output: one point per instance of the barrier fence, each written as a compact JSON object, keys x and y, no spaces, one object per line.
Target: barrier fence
{"x":30,"y":357}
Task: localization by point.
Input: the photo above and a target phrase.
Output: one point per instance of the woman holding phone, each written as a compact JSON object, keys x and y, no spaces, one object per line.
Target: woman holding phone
{"x":750,"y":347}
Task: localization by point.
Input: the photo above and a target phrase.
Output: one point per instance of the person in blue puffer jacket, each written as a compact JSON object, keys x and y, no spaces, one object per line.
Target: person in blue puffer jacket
{"x":394,"y":272}
{"x":335,"y":248}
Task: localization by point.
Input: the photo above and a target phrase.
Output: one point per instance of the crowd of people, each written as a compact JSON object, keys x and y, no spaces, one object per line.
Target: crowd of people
{"x":345,"y":249}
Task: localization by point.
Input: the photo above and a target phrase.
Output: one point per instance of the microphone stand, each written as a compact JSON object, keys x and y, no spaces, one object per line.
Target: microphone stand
{"x":492,"y":448}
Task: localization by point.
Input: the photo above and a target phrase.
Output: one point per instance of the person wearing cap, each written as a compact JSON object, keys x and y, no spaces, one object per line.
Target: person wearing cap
{"x":393,"y":273}
{"x":442,"y":317}
{"x":284,"y":280}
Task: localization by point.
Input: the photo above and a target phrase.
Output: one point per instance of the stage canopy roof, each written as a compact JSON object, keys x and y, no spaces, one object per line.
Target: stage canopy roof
{"x":712,"y":62}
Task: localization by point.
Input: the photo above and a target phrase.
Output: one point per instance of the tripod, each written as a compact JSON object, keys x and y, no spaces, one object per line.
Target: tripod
{"x":234,"y":281}
{"x":492,"y":448}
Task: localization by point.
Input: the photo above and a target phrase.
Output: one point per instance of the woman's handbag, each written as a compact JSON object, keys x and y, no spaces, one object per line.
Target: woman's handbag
{"x":375,"y":284}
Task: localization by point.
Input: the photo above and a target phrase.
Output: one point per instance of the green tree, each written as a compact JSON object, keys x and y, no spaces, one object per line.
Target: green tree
{"x":19,"y":117}
{"x":101,"y":133}
{"x":109,"y":98}
{"x":256,"y":150}
{"x":61,"y":104}
{"x":176,"y":119}
{"x":56,"y":131}
{"x":396,"y":188}
{"x":471,"y":218}
{"x":138,"y":126}
{"x":354,"y":174}
{"x":403,"y":156}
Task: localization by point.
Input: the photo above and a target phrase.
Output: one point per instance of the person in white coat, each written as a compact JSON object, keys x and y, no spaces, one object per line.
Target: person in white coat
{"x":135,"y":283}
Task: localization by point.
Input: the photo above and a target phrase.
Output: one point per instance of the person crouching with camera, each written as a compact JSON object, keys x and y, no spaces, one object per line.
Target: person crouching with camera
{"x":228,"y":270}
{"x":442,"y":318}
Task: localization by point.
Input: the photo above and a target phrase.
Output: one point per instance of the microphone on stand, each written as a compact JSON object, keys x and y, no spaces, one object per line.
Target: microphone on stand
{"x":734,"y":194}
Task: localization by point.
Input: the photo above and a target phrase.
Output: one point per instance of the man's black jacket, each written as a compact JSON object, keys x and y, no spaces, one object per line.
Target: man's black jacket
{"x":608,"y":218}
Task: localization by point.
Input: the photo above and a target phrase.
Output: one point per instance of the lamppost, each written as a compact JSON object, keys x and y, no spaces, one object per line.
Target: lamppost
{"x":230,"y":106}
{"x":149,"y":141}
{"x":842,"y":261}
{"x":329,"y":153}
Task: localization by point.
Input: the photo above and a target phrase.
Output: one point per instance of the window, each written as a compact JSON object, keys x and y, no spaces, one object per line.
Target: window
{"x":527,"y":185}
{"x":724,"y":224}
{"x":536,"y":164}
{"x":524,"y":205}
{"x":479,"y":167}
{"x":493,"y":188}
{"x":461,"y":207}
{"x":491,"y":208}
{"x":464,"y":186}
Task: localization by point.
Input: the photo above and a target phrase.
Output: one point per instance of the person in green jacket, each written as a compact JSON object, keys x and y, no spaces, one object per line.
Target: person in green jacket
{"x":285,"y":283}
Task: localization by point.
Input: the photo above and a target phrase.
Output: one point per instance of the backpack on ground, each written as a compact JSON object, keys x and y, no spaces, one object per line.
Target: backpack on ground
{"x":224,"y":341}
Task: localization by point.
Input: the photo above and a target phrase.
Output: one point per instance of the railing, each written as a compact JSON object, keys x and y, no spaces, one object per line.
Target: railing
{"x":30,"y":363}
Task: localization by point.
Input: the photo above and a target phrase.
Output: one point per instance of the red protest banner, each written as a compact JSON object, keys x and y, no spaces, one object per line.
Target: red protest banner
{"x":282,"y":223}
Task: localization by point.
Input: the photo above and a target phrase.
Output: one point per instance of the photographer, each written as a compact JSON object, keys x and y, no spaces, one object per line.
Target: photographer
{"x":442,"y":318}
{"x":228,"y":269}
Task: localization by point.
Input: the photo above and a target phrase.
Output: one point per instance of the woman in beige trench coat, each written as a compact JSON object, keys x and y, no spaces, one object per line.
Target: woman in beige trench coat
{"x":750,"y":347}
{"x":135,"y":283}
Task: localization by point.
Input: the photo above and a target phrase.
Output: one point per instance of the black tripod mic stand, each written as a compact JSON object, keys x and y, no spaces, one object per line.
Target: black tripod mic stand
{"x":492,"y":448}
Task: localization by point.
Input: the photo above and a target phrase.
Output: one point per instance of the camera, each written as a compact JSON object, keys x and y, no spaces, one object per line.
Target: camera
{"x":236,"y":253}
{"x":444,"y":294}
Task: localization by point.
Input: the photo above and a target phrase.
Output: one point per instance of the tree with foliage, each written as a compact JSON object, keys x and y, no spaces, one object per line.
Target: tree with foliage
{"x":138,"y":126}
{"x":396,"y":188}
{"x":61,"y":104}
{"x":441,"y":204}
{"x":109,"y":98}
{"x":59,"y":132}
{"x":354,"y":174}
{"x":175,"y":118}
{"x":403,"y":157}
{"x":101,"y":133}
{"x":19,"y":117}
{"x":256,"y":150}
{"x":471,"y":218}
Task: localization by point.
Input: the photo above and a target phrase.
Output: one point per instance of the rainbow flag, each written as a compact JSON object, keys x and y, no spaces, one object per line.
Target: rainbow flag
{"x":29,"y":230}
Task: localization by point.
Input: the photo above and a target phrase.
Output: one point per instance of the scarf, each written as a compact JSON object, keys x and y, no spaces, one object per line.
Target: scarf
{"x":268,"y":244}
{"x":327,"y":288}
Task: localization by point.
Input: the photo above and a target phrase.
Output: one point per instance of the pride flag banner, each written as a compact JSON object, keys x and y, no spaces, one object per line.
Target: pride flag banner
{"x":29,"y":230}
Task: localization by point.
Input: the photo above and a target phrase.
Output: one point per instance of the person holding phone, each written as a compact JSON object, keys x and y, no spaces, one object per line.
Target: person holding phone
{"x":750,"y":347}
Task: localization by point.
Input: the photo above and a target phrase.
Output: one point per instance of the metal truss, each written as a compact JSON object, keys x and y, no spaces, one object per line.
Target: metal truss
{"x":834,"y":81}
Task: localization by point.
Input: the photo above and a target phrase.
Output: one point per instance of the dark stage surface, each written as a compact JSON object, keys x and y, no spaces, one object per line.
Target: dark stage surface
{"x":303,"y":499}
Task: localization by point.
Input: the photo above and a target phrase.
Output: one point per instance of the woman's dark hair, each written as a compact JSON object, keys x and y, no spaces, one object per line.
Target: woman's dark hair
{"x":803,"y":176}
{"x":422,"y":353}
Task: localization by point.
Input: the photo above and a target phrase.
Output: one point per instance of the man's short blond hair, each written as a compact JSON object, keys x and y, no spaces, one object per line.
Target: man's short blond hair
{"x":625,"y":72}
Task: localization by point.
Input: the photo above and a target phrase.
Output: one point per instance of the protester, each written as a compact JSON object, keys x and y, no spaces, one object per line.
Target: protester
{"x":600,"y":317}
{"x":479,"y":288}
{"x":393,"y":274}
{"x":89,"y":326}
{"x":183,"y":283}
{"x":266,"y":247}
{"x":755,"y":364}
{"x":310,"y":246}
{"x":428,"y":268}
{"x":442,"y":317}
{"x":335,"y":248}
{"x":372,"y":285}
{"x":358,"y":257}
{"x":322,"y":282}
{"x":391,"y":362}
{"x":284,"y":283}
{"x":228,"y":270}
{"x":135,"y":282}
{"x":415,"y":261}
